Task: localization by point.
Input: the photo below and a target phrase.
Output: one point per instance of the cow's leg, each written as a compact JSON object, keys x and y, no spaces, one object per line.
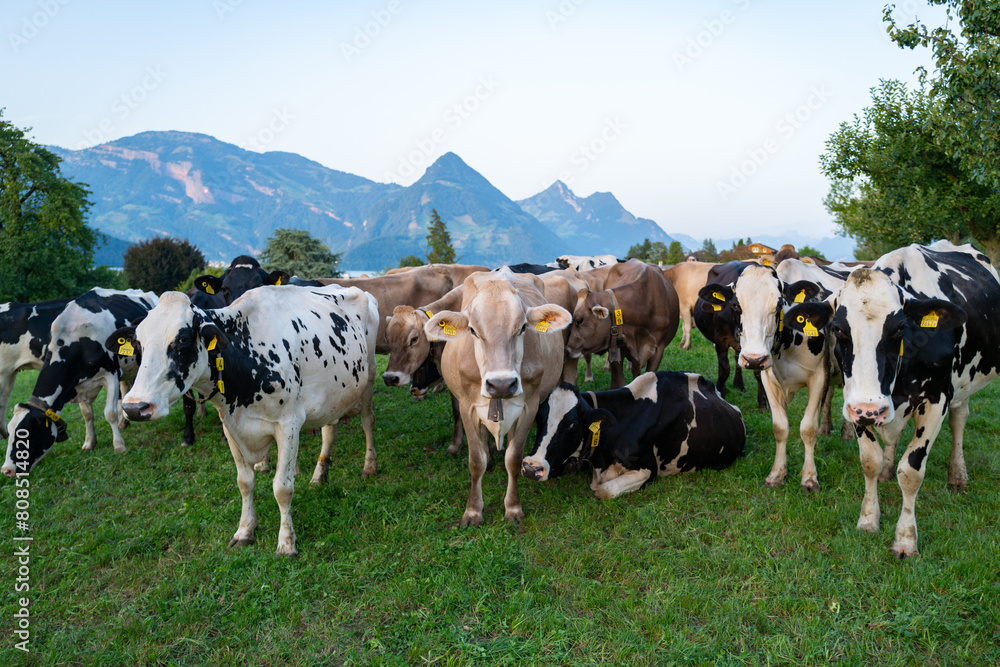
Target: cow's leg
{"x":6,"y":388}
{"x":617,"y":374}
{"x":722,"y":354}
{"x":287,"y":438}
{"x":87,"y":412}
{"x":871,"y":465}
{"x":478,"y":438}
{"x":911,"y":470}
{"x":457,"y":432}
{"x":738,"y":376}
{"x":654,"y":361}
{"x":111,"y":403}
{"x":244,"y":534}
{"x":808,"y":427}
{"x":627,"y":482}
{"x":588,"y":373}
{"x":779,"y":424}
{"x":958,"y":477}
{"x":826,"y":412}
{"x":368,"y":426}
{"x":321,"y":473}
{"x":513,"y":457}
{"x":123,"y":388}
{"x":686,"y":330}
{"x":264,"y":465}
{"x":762,"y":404}
{"x":189,"y":408}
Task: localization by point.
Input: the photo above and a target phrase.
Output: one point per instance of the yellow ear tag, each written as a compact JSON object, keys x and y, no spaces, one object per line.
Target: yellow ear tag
{"x":800,"y":297}
{"x":765,"y":262}
{"x":542,"y":326}
{"x":222,"y":387}
{"x":718,"y":296}
{"x":716,"y":307}
{"x":900,"y":348}
{"x":618,"y":317}
{"x":52,"y":415}
{"x":278,"y":281}
{"x":595,"y":428}
{"x":219,"y":364}
{"x":810,"y":330}
{"x":211,"y":344}
{"x":429,"y":314}
{"x":208,"y":288}
{"x":781,"y":320}
{"x":126,"y":349}
{"x":929,"y":321}
{"x":448,"y":329}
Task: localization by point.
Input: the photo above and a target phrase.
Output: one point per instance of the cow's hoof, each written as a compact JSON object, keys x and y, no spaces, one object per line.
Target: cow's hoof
{"x":471,"y":520}
{"x":184,"y":443}
{"x":262,"y":467}
{"x":902,"y":552}
{"x":238,"y":542}
{"x":369,"y":471}
{"x":956,"y":487}
{"x":774,"y":482}
{"x":868,"y":524}
{"x":811,"y":486}
{"x":886,"y":476}
{"x":87,"y":446}
{"x":291,"y":552}
{"x":120,"y":450}
{"x":514,"y":516}
{"x":4,"y":433}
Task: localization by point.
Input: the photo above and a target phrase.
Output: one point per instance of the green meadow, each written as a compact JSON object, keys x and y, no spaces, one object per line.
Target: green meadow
{"x":129,"y":561}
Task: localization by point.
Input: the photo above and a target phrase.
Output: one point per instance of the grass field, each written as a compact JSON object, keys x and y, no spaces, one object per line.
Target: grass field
{"x":130,"y":565}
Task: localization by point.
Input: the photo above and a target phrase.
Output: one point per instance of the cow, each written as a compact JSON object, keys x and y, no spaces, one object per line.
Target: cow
{"x":421,"y":285}
{"x":503,"y":356}
{"x":76,"y":366}
{"x":244,"y":273}
{"x":536,"y":269}
{"x":662,"y":423}
{"x":788,"y":359}
{"x":580,"y":263}
{"x":635,"y":316}
{"x":916,"y":336}
{"x":269,"y":377}
{"x":687,"y":278}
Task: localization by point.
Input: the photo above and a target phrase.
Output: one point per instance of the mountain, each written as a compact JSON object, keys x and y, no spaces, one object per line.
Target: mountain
{"x":224,"y":199}
{"x":486,"y":226}
{"x":593,"y":225}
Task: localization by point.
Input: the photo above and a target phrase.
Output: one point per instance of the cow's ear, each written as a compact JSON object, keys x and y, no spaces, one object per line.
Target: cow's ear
{"x":447,"y":325}
{"x":208,"y":284}
{"x":549,"y":318}
{"x":934,"y":314}
{"x":802,"y":291}
{"x":715,"y":296}
{"x":595,"y":415}
{"x":123,"y":342}
{"x":809,"y":317}
{"x":215,"y":340}
{"x":277,"y":278}
{"x":600,"y":311}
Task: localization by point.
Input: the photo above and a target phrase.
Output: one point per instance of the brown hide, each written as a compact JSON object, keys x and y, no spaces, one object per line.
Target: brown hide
{"x":687,"y":278}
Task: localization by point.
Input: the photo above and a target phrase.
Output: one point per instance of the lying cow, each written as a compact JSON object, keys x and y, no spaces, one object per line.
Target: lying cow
{"x":76,"y":368}
{"x":269,"y":377}
{"x":662,"y":423}
{"x":916,"y":336}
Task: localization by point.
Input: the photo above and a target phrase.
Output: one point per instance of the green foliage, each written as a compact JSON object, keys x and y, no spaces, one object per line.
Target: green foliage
{"x":298,"y":253}
{"x":675,"y":253}
{"x":653,"y":252}
{"x":410,"y":260}
{"x":892,"y":185}
{"x":708,"y":253}
{"x":159,"y":264}
{"x":439,"y":249}
{"x":106,"y":276}
{"x":809,"y":251}
{"x":188,"y":282}
{"x":46,"y":247}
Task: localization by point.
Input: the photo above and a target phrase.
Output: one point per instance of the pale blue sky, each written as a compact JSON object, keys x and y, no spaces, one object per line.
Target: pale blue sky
{"x":707,"y":117}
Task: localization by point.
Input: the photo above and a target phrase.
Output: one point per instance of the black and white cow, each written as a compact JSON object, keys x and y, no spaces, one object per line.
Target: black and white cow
{"x":916,"y":336}
{"x":244,"y":273}
{"x":662,"y":423}
{"x":76,"y":366}
{"x":269,"y":377}
{"x":790,"y":359}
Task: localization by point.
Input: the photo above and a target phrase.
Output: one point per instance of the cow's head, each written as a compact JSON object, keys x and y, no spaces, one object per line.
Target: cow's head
{"x":756,"y":304}
{"x":174,"y":340}
{"x":592,"y":322}
{"x":881,"y":330}
{"x":563,"y":433}
{"x":33,"y":431}
{"x":244,"y":273}
{"x":409,"y":347}
{"x":497,"y":319}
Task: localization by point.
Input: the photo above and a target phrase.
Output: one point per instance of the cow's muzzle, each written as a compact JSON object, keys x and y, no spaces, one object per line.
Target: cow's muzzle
{"x":755,"y":362}
{"x":8,"y":472}
{"x":532,"y":471}
{"x":138,"y":411}
{"x":867,"y":414}
{"x":502,"y":386}
{"x":392,"y":379}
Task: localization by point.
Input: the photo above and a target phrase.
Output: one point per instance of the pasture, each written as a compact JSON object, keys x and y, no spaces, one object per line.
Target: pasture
{"x":130,"y":565}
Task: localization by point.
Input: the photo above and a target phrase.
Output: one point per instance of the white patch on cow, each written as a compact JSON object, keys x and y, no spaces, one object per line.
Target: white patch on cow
{"x":561,"y":401}
{"x":644,"y":387}
{"x":617,"y":480}
{"x":758,"y":293}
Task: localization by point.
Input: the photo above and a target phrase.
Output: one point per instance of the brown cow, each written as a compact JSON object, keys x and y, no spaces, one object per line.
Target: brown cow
{"x":687,"y":278}
{"x":503,"y":356}
{"x":422,"y":284}
{"x":637,"y":315}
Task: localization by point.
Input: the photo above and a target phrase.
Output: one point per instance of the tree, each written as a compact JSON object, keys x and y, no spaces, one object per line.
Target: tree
{"x":708,"y":252}
{"x":809,"y":251}
{"x":675,"y":253}
{"x":298,"y":253}
{"x":641,"y":251}
{"x":410,"y":260}
{"x":159,"y":264}
{"x":46,"y":246}
{"x":196,"y":273}
{"x":892,"y":184}
{"x":439,"y":249}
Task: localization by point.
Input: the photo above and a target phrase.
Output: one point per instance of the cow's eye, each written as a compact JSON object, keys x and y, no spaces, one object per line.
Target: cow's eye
{"x":838,"y":332}
{"x":183,"y":340}
{"x":413,"y":341}
{"x":524,"y":327}
{"x":473,"y":332}
{"x":578,"y":322}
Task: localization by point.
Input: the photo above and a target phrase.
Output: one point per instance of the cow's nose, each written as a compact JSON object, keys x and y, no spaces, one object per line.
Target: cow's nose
{"x":867,"y":414}
{"x":501,"y":387}
{"x":532,"y":471}
{"x":755,"y":362}
{"x":137,"y":412}
{"x":8,"y":472}
{"x":390,"y":379}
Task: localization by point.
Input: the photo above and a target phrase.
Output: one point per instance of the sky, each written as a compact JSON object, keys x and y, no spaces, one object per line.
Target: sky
{"x":707,"y":117}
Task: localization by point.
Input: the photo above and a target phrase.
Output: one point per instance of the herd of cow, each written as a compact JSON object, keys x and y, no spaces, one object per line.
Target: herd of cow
{"x":912,"y":335}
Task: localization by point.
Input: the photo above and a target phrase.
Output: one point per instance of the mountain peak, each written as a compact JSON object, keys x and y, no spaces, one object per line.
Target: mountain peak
{"x":451,"y":168}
